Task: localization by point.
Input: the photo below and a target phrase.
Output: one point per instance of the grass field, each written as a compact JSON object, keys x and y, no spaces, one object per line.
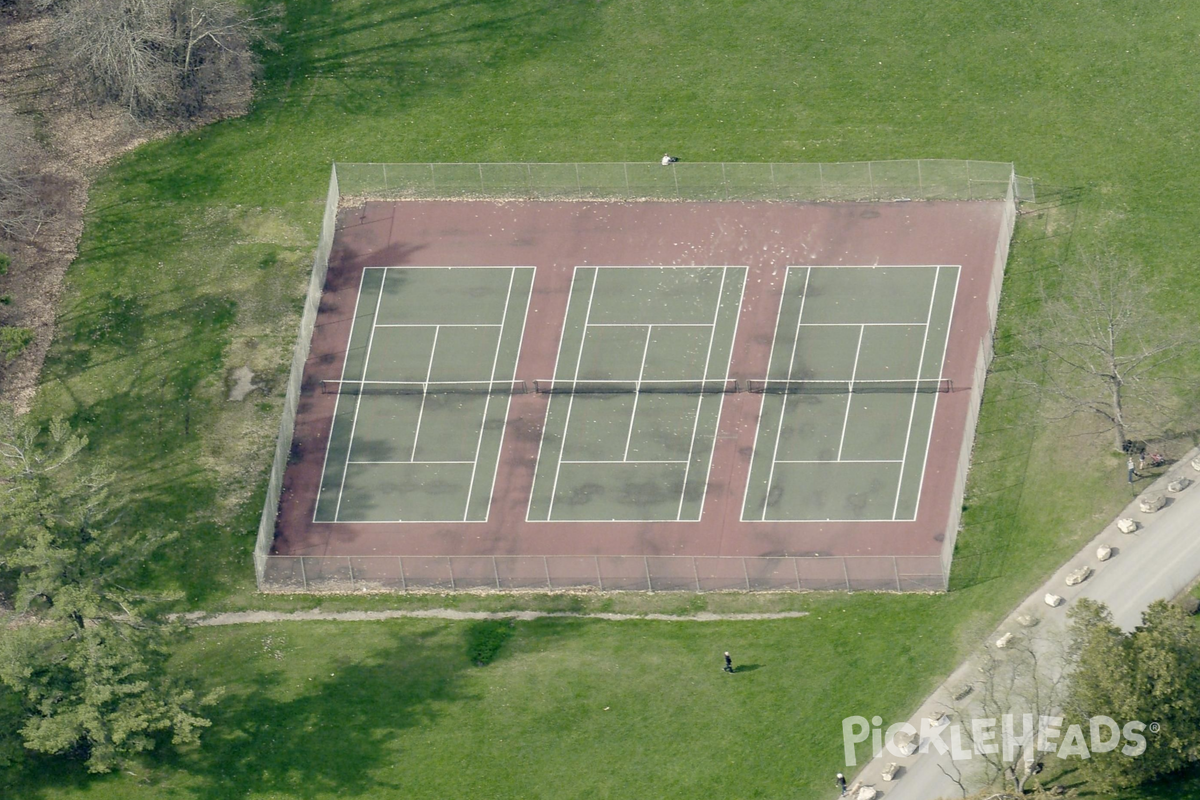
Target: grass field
{"x":194,"y":262}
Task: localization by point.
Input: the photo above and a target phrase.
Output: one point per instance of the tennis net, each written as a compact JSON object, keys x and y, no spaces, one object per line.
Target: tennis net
{"x":423,"y":387}
{"x":635,"y":387}
{"x":928,"y":385}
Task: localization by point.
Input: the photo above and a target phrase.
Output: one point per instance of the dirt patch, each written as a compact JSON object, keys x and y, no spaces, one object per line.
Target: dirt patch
{"x":203,"y":619}
{"x":77,"y":140}
{"x":241,"y":382}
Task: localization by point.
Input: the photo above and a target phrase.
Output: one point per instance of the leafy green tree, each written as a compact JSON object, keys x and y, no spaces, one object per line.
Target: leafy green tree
{"x":82,"y":650}
{"x":1149,"y":675}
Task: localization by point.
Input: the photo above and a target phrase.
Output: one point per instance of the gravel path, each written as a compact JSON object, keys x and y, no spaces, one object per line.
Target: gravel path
{"x":204,"y":619}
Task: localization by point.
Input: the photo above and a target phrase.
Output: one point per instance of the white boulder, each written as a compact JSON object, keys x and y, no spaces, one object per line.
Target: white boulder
{"x":1104,"y":552}
{"x":1053,"y":600}
{"x":1179,"y":484}
{"x":889,"y":774}
{"x":1196,"y":463}
{"x":1079,"y":576}
{"x":1127,"y":525}
{"x":1004,"y":640}
{"x":1151,"y":503}
{"x":1027,"y":620}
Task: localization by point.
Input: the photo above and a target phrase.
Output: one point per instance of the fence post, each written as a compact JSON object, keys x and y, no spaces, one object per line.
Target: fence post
{"x":796,"y":569}
{"x":303,"y":575}
{"x":821,"y":176}
{"x":403,"y":583}
{"x":896,"y":570}
{"x":870,"y":179}
{"x":578,"y":180}
{"x":724,"y":180}
{"x":675,"y":175}
{"x":696,"y":572}
{"x":496,"y":572}
{"x":450,"y":567}
{"x":920,"y":185}
{"x":546,"y":567}
{"x":746,"y":573}
{"x":625,"y":167}
{"x":649,"y":582}
{"x":529,"y":180}
{"x":846,"y":573}
{"x":350,"y":564}
{"x":599,"y":577}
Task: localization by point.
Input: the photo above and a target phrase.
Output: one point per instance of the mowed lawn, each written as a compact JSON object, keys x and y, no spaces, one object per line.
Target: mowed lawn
{"x":194,"y":263}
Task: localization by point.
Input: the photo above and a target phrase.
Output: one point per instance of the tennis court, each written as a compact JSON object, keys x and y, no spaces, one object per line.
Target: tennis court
{"x":424,"y":393}
{"x":637,"y":390}
{"x":852,"y":384}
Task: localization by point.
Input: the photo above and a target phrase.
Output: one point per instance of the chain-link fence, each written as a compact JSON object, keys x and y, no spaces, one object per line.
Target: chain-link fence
{"x":603,"y":573}
{"x":913,"y":179}
{"x":917,"y":179}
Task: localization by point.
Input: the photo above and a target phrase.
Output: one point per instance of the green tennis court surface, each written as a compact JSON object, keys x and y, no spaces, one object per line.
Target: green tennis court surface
{"x":851,"y":455}
{"x":420,"y":439}
{"x":642,"y":453}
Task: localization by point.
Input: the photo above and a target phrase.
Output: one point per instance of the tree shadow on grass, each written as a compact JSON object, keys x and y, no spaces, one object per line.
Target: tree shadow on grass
{"x":284,"y":733}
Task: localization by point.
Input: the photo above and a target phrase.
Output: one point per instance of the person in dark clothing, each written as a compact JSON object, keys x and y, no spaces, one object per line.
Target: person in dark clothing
{"x":841,"y":783}
{"x":728,"y":662}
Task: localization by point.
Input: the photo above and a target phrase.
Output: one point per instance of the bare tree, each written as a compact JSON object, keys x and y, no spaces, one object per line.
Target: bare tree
{"x":1104,"y":351}
{"x":1023,"y":683}
{"x":159,"y":58}
{"x":21,"y":210}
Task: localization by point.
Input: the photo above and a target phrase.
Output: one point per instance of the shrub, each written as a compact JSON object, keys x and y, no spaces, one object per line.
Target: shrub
{"x":486,"y":638}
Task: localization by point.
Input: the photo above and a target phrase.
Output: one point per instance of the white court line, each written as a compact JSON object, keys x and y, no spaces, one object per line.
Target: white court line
{"x":508,"y":405}
{"x":550,"y":403}
{"x":358,"y":403}
{"x":412,"y":462}
{"x":571,"y":400}
{"x":840,"y":461}
{"x":721,"y":405}
{"x":860,"y":324}
{"x":712,"y":334}
{"x":783,"y":405}
{"x":488,"y":401}
{"x":913,"y":408}
{"x":337,"y":400}
{"x":936,"y":397}
{"x":652,"y":324}
{"x":428,"y":373}
{"x":850,"y":394}
{"x":637,"y":391}
{"x":787,"y":273}
{"x":440,"y":324}
{"x":565,"y":461}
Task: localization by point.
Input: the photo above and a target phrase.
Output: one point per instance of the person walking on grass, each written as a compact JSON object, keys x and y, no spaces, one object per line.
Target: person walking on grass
{"x":1129,"y":464}
{"x":728,"y":662}
{"x":1142,"y":460}
{"x":841,"y":783}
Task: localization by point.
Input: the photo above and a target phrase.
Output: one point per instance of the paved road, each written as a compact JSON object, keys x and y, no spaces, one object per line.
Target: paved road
{"x":1156,"y":562}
